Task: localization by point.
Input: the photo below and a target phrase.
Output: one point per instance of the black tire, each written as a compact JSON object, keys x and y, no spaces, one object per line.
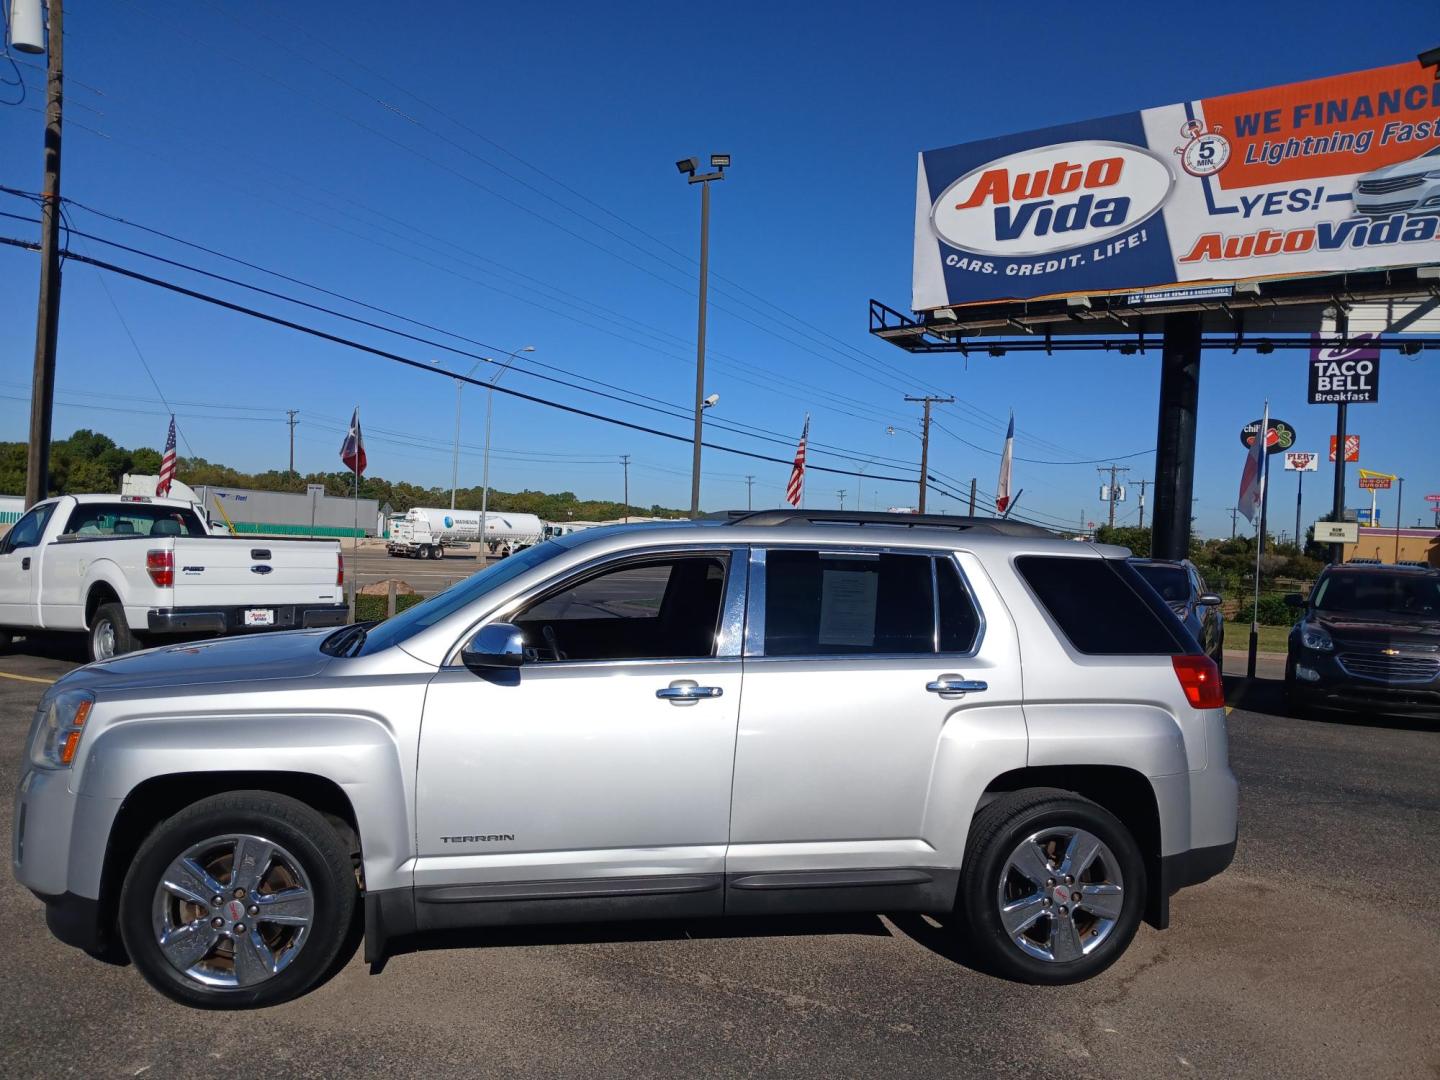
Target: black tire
{"x":437,"y":552}
{"x":323,"y":857}
{"x":995,"y":833}
{"x":7,"y":638}
{"x":108,"y":625}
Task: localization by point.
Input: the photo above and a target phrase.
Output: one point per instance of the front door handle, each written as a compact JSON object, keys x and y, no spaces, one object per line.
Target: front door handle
{"x":687,"y":692}
{"x":25,"y":563}
{"x":951,"y":684}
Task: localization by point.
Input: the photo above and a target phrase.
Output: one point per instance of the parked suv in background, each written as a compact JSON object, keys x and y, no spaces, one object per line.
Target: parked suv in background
{"x":955,"y":716}
{"x":1181,"y":587}
{"x":1369,"y":640}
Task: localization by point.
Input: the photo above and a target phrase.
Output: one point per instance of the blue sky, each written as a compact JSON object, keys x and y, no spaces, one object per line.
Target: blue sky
{"x":506,"y":173}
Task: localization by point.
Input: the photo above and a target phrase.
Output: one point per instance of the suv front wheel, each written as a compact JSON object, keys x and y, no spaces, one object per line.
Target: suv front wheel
{"x":239,"y":901}
{"x":1052,"y":887}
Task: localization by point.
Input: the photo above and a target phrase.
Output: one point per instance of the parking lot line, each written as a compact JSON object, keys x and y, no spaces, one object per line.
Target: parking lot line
{"x":26,"y":678}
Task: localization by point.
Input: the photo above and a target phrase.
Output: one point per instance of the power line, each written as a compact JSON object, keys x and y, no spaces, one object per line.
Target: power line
{"x":325,"y":335}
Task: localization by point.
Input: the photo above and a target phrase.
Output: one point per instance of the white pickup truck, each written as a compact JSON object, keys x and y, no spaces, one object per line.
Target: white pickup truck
{"x":121,"y":568}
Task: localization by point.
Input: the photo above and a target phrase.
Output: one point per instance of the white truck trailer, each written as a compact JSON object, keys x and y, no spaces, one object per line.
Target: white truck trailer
{"x":426,"y":532}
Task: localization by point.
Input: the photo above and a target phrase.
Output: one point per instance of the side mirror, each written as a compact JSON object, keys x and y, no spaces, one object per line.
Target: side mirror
{"x":1208,"y":599}
{"x":1294,"y":600}
{"x":499,"y":645}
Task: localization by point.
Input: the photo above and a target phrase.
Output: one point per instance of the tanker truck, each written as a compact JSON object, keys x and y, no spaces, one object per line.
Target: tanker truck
{"x":426,"y":532}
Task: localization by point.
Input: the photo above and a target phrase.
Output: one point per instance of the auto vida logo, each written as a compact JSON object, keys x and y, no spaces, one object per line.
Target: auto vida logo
{"x":1051,"y":198}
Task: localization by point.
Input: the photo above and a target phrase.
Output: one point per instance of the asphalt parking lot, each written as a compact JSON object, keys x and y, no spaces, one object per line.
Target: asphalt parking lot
{"x":1314,"y":956}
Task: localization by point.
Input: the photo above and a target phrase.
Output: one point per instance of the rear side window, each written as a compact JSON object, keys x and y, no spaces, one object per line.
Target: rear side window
{"x":1101,"y":607}
{"x":844,"y":604}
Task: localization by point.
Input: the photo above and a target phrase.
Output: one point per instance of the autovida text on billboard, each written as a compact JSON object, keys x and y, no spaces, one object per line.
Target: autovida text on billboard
{"x":1334,"y":174}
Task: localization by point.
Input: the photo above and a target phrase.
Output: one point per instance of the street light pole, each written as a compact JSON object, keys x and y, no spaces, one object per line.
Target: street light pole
{"x":489,"y":416}
{"x":47,"y":316}
{"x":688,"y":166}
{"x":455,"y":457}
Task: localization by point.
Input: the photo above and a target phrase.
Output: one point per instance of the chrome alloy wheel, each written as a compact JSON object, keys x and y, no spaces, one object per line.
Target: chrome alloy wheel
{"x":233,"y":911}
{"x":1060,"y":894}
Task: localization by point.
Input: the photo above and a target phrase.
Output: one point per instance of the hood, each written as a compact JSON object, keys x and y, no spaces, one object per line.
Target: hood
{"x":293,"y":654}
{"x":1413,"y":167}
{"x":1377,"y":628}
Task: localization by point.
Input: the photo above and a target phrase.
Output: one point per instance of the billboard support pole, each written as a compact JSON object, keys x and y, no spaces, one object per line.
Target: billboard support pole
{"x":1337,"y":508}
{"x":1299,"y":495}
{"x":1175,"y":438}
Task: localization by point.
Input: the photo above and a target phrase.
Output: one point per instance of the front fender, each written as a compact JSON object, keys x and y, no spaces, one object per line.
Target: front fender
{"x":356,"y":751}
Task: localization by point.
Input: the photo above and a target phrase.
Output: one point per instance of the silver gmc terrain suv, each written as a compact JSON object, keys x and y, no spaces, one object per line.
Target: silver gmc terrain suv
{"x":781,"y":713}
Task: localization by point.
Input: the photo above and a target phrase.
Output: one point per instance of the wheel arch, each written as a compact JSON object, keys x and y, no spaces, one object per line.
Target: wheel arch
{"x":100,"y":590}
{"x":1125,"y":792}
{"x":160,"y":797}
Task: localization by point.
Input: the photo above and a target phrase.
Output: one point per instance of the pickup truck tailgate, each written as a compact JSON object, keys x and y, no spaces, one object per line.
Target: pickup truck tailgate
{"x":248,"y":571}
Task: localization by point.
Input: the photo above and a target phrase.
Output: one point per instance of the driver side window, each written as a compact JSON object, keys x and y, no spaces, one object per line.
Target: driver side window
{"x":651,"y":609}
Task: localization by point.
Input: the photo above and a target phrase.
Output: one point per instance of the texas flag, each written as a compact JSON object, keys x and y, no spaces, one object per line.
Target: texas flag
{"x":1252,"y":480}
{"x":1002,"y":487}
{"x":352,"y":450}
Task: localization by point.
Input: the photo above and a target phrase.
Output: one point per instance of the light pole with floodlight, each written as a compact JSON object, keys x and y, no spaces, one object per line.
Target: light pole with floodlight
{"x":689,"y":167}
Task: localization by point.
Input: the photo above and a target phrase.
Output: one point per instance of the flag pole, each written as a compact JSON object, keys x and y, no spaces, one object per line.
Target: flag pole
{"x":1262,"y":435}
{"x":357,"y":488}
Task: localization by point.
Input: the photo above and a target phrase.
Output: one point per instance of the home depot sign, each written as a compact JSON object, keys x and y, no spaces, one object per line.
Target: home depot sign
{"x":1352,"y":447}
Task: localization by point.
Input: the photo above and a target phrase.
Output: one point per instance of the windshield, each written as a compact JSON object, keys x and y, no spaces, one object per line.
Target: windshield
{"x":1171,"y":582}
{"x":442,"y":605}
{"x":1394,"y":594}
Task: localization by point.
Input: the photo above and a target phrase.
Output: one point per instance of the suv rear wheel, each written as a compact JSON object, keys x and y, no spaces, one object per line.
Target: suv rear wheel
{"x":1052,"y":887}
{"x":239,"y":901}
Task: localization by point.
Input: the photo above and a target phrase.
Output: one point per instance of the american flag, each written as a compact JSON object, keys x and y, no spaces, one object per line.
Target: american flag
{"x":796,"y":488}
{"x":167,"y":463}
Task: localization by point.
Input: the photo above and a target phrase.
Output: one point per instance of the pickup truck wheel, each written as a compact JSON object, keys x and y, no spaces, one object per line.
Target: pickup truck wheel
{"x":110,"y":634}
{"x":1052,"y":887}
{"x":239,"y":901}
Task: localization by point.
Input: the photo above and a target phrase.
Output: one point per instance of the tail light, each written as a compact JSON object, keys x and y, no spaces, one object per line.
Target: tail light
{"x":1200,"y":679}
{"x":339,"y":571}
{"x":160,"y":565}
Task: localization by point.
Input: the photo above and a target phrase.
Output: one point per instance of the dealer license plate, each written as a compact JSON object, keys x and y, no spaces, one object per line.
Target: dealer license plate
{"x":259,"y":616}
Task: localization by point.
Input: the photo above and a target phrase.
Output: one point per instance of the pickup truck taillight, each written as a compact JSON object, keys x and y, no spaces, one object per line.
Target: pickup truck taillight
{"x":1200,"y":679}
{"x":160,"y":565}
{"x":339,"y":571}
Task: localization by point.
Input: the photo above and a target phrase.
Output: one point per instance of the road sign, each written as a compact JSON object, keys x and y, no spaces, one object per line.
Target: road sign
{"x":1301,"y":461}
{"x":1337,"y":532}
{"x":1281,"y":435}
{"x":1107,"y":493}
{"x":1352,"y":447}
{"x":1350,"y":376}
{"x":314,"y":489}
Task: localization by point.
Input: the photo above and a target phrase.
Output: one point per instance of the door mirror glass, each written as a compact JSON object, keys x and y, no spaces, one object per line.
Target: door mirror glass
{"x":1208,"y":599}
{"x":498,"y":645}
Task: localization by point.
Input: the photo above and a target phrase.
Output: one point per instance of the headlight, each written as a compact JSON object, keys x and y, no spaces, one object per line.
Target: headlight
{"x":1312,"y":637}
{"x":59,"y":723}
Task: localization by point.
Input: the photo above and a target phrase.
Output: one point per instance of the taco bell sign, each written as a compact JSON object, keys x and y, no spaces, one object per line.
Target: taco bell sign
{"x":1348,"y":376}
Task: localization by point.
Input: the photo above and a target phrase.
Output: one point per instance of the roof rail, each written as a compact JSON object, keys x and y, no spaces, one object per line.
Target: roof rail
{"x":1002,"y":526}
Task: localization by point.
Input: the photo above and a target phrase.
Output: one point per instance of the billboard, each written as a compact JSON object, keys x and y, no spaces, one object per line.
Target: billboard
{"x":1301,"y":461}
{"x":1333,"y":174}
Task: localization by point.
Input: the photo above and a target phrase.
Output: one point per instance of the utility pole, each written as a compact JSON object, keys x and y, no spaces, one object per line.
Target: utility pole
{"x":841,"y":493}
{"x":1113,"y":490}
{"x":625,"y":464}
{"x":1143,"y":484}
{"x":47,"y":315}
{"x":925,"y":440}
{"x":1234,"y":518}
{"x":292,"y":422}
{"x":749,"y":490}
{"x":972,"y":496}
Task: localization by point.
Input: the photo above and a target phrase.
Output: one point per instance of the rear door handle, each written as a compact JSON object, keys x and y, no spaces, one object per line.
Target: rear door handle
{"x":947,"y":684}
{"x":687,"y":692}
